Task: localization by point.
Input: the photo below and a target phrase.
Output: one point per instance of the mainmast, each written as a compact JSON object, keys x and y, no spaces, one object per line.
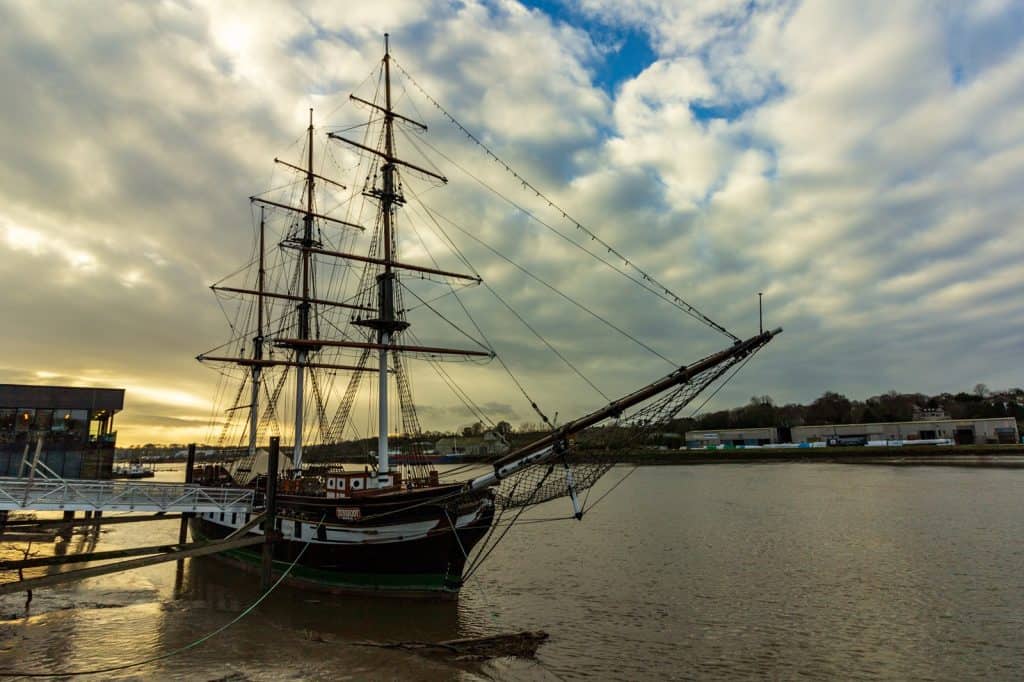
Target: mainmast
{"x":386,"y":280}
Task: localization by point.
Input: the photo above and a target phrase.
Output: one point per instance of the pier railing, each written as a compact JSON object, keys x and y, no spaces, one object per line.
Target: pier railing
{"x":116,"y":496}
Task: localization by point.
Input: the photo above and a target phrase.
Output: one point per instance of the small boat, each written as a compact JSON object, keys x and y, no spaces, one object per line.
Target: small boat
{"x":132,"y":470}
{"x":311,"y":317}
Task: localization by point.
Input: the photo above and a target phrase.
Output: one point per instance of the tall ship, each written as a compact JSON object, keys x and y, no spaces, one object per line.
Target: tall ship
{"x":321,"y":321}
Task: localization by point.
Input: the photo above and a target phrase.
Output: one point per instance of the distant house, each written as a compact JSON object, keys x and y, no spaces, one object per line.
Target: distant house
{"x":929,"y":414}
{"x":489,"y":444}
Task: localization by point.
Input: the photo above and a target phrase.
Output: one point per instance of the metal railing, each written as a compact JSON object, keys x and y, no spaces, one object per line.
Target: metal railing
{"x":69,"y":495}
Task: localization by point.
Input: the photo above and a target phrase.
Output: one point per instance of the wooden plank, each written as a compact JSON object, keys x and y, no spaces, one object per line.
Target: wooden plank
{"x":102,"y":521}
{"x":94,"y":571}
{"x":95,"y":556}
{"x":28,"y":537}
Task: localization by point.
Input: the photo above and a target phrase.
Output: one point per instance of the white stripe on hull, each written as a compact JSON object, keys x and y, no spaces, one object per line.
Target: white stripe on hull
{"x":342,"y":535}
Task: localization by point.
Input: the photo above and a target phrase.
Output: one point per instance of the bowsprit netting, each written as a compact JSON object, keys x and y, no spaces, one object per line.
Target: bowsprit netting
{"x":588,"y":455}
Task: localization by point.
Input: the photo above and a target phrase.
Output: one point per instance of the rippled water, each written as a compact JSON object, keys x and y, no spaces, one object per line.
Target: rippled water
{"x":725,"y":571}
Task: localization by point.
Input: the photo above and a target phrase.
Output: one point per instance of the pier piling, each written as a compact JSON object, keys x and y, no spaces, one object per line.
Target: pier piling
{"x":189,"y":466}
{"x":270,"y":522}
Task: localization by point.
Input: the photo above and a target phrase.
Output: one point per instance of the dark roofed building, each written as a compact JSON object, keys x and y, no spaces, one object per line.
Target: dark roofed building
{"x":76,"y":426}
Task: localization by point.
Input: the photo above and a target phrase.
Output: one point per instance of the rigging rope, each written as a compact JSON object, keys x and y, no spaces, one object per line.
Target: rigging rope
{"x":722,"y":385}
{"x":458,"y":299}
{"x":678,"y":301}
{"x":568,"y":298}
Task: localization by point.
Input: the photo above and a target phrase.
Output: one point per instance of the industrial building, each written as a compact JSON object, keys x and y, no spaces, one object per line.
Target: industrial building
{"x":996,"y":430}
{"x":75,"y":426}
{"x":732,"y":437}
{"x":961,"y":431}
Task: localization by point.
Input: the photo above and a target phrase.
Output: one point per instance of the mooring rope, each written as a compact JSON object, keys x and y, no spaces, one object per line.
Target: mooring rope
{"x":7,"y":672}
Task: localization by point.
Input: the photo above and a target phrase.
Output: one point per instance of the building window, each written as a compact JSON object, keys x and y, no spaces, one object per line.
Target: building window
{"x":43,"y":420}
{"x":75,"y":423}
{"x":25,"y":418}
{"x":8,"y":417}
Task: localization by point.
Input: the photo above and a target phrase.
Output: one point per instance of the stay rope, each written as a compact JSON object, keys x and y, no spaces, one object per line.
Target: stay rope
{"x":672,"y":297}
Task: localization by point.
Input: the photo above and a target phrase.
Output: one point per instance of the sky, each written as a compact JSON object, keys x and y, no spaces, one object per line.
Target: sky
{"x":860,"y":164}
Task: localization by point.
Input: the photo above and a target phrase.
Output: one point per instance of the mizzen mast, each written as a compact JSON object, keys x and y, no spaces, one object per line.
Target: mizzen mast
{"x":257,"y":344}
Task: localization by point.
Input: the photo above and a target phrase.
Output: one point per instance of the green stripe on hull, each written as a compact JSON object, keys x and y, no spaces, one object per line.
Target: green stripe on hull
{"x":356,"y":582}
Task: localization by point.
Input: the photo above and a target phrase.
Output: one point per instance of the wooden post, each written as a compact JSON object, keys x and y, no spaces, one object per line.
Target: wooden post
{"x":183,"y":530}
{"x":69,"y":517}
{"x":270,"y":523}
{"x":193,"y":550}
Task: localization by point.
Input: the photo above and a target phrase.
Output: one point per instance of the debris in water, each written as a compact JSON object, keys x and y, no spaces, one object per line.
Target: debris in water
{"x":520,"y":644}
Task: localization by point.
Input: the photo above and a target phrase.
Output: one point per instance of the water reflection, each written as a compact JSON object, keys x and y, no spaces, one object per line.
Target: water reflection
{"x":341,"y":616}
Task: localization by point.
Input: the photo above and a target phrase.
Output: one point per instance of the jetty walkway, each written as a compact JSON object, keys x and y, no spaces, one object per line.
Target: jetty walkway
{"x":42,"y":494}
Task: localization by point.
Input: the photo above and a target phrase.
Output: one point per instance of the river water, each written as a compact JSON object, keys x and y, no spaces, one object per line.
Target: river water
{"x":728,"y":571}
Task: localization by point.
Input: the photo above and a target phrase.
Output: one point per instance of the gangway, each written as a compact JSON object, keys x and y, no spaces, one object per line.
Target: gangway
{"x":119,"y":496}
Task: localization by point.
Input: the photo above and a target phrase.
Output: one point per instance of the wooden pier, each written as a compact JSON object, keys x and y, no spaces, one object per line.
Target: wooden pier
{"x":160,"y":500}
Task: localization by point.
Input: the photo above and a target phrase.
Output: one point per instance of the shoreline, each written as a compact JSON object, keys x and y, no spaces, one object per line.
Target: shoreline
{"x":997,"y":456}
{"x":991,"y":456}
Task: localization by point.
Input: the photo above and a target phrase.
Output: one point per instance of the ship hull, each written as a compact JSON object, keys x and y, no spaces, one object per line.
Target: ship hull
{"x":414,"y":557}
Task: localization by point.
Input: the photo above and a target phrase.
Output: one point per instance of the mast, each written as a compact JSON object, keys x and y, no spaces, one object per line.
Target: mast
{"x":387,"y":323}
{"x":385,"y":281}
{"x":302,"y":353}
{"x":257,"y":345}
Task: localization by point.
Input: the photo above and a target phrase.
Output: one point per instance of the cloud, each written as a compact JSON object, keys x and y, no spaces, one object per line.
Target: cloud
{"x":859,"y":164}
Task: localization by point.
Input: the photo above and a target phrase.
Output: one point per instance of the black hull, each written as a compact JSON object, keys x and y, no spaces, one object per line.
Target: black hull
{"x":425,"y":559}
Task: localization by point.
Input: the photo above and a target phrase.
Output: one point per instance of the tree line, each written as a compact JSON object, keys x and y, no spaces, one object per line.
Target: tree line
{"x":836,"y":408}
